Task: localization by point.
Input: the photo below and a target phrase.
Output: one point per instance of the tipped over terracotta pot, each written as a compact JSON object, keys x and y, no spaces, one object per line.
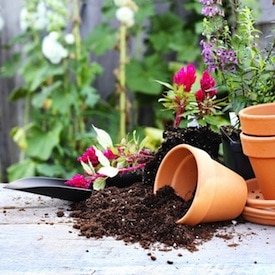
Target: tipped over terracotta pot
{"x":217,"y":192}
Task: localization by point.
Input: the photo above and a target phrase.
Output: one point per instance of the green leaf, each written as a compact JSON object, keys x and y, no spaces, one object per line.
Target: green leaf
{"x":103,"y":138}
{"x":22,"y":169}
{"x":141,"y":75}
{"x":108,"y":171}
{"x":211,"y":120}
{"x":101,"y":39}
{"x":50,"y":170}
{"x":62,"y":102}
{"x":186,"y":46}
{"x":40,"y":97}
{"x":41,"y":143}
{"x":161,"y":41}
{"x":147,"y":9}
{"x":99,"y":184}
{"x":18,"y":93}
{"x":167,"y":85}
{"x":43,"y":74}
{"x":88,"y":168}
{"x":19,"y":137}
{"x":91,"y":96}
{"x":10,"y":67}
{"x":168,"y":23}
{"x":104,"y":161}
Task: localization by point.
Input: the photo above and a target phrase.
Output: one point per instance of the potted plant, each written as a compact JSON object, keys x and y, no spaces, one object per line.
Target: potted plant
{"x":244,"y":70}
{"x":104,"y":160}
{"x":196,"y":116}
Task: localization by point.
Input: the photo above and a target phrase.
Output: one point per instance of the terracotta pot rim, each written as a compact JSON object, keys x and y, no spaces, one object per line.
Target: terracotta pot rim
{"x":257,"y":212}
{"x":259,"y":147}
{"x":257,"y":138}
{"x":258,"y":120}
{"x":252,"y":111}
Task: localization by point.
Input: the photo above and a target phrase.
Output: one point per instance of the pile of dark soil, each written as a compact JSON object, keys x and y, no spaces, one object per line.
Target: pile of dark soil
{"x":134,"y":214}
{"x":232,"y":132}
{"x":200,"y":137}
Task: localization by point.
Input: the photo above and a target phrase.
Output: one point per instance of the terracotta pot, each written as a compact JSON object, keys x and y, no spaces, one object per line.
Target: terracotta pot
{"x":218,"y":193}
{"x":258,"y":120}
{"x":261,"y":153}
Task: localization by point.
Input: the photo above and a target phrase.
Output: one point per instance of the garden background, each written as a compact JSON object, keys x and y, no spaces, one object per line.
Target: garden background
{"x":183,"y":49}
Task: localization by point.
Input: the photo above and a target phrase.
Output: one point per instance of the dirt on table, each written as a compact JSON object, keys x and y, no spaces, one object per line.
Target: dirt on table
{"x":135,"y":215}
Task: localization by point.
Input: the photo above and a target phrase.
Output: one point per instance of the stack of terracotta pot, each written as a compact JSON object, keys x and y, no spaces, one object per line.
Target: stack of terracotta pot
{"x":258,"y":142}
{"x":217,"y":192}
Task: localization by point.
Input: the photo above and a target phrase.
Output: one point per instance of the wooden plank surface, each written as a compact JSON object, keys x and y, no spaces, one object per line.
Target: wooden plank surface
{"x":33,"y":240}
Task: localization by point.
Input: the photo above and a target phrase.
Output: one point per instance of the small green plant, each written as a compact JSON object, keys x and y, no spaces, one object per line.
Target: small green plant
{"x":242,"y":68}
{"x":105,"y":160}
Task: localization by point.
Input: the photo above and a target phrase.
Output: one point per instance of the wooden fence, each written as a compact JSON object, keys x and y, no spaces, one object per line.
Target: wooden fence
{"x":11,"y":113}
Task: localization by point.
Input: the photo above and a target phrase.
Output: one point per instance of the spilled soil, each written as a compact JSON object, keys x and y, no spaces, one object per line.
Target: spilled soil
{"x":135,"y":215}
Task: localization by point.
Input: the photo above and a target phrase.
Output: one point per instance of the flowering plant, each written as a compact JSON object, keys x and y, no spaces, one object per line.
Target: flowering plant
{"x":57,"y":77}
{"x":242,"y":68}
{"x":201,"y":105}
{"x":105,"y":160}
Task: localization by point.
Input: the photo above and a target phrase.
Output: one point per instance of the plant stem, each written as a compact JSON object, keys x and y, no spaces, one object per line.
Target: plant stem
{"x":122,"y":83}
{"x":80,"y":125}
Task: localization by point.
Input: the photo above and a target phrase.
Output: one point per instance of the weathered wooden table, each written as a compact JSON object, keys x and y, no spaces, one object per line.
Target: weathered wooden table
{"x":34,"y":240}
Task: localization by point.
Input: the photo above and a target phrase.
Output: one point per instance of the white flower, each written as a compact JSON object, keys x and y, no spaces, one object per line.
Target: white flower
{"x":54,"y":35}
{"x":40,"y":17}
{"x":2,"y":23}
{"x":36,"y":20}
{"x":24,"y":22}
{"x":52,"y":49}
{"x":121,"y":3}
{"x":41,"y":9}
{"x":69,"y":38}
{"x":125,"y":15}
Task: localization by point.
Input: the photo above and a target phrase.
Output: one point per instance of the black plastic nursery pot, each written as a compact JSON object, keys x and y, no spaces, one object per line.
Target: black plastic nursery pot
{"x":234,"y":158}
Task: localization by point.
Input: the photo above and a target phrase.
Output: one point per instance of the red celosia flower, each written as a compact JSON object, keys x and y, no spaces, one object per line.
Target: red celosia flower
{"x":208,"y":83}
{"x":78,"y":181}
{"x":89,"y":155}
{"x":186,"y":77}
{"x":200,"y":95}
{"x":212,"y":92}
{"x":109,"y":154}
